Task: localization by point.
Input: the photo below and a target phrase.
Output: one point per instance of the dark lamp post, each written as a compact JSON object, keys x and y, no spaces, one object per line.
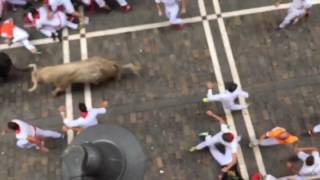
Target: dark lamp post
{"x":103,"y":152}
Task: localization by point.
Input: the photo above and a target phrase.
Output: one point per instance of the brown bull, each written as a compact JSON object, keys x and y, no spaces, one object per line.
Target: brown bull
{"x":93,"y":70}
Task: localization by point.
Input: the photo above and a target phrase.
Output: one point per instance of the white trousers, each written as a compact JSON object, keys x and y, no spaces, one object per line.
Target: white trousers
{"x":47,"y":133}
{"x":25,"y":144}
{"x":222,"y":159}
{"x":292,"y":14}
{"x":316,"y":128}
{"x":172,"y":13}
{"x":20,"y":35}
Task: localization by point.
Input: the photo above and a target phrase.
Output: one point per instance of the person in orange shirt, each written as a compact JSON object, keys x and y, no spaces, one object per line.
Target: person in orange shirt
{"x":15,"y":34}
{"x":275,"y":136}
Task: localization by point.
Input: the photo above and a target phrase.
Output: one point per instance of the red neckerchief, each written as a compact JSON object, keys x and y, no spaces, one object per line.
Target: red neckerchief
{"x":83,"y":114}
{"x":37,"y":15}
{"x":18,"y":131}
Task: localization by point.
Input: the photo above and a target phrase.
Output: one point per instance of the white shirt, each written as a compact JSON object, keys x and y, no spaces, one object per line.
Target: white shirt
{"x":89,"y":120}
{"x":227,"y":98}
{"x":25,"y":131}
{"x":309,"y":170}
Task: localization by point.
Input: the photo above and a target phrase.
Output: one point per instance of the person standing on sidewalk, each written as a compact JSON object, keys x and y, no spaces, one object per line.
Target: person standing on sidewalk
{"x":172,"y":11}
{"x":228,"y":97}
{"x":275,"y":136}
{"x":88,"y":117}
{"x":297,"y":9}
{"x":29,"y":136}
{"x":222,"y":146}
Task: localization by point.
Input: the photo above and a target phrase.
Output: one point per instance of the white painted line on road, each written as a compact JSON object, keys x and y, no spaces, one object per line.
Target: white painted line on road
{"x":69,"y":105}
{"x":84,"y":56}
{"x":139,"y":27}
{"x":236,"y":79}
{"x":219,"y":78}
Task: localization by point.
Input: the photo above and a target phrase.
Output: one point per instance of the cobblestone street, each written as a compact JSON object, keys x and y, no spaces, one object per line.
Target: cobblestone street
{"x":162,"y":106}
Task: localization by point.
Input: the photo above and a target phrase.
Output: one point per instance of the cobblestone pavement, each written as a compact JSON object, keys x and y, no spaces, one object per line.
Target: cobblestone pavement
{"x":162,"y":106}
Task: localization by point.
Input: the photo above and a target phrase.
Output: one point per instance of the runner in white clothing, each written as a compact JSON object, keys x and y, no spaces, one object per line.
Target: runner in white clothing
{"x":88,"y":117}
{"x":297,"y":9}
{"x":49,"y":27}
{"x":29,"y":136}
{"x":14,"y":34}
{"x":222,"y":146}
{"x":228,"y":97}
{"x":172,"y":11}
{"x":311,"y":162}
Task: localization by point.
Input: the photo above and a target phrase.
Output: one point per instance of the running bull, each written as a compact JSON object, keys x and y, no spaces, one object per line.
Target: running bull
{"x":93,"y":70}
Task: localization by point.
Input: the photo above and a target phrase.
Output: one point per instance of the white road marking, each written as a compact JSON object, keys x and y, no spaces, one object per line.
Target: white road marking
{"x":218,"y":74}
{"x":236,"y":79}
{"x":69,"y":106}
{"x":139,"y":27}
{"x":84,"y":56}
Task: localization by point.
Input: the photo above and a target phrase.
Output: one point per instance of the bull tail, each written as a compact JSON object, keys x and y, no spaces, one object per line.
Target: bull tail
{"x":135,"y":68}
{"x":33,"y":77}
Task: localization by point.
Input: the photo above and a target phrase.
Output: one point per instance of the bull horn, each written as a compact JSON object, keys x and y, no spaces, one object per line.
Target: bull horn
{"x":33,"y":77}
